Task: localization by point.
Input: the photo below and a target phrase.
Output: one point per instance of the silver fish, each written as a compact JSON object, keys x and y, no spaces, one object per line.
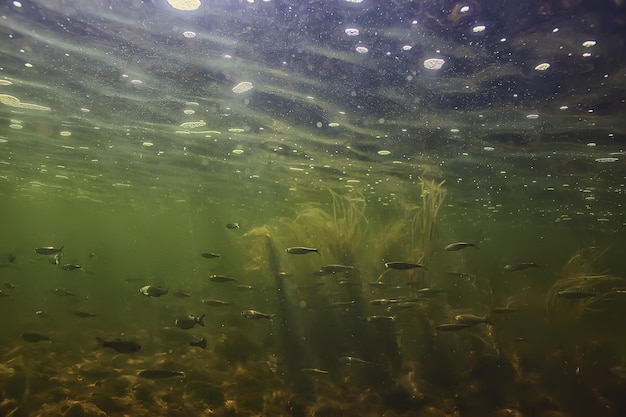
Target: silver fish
{"x":351,"y":360}
{"x":216,"y":303}
{"x":402,"y":265}
{"x":152,"y":291}
{"x":221,"y":278}
{"x":378,"y":319}
{"x":383,"y":302}
{"x":451,"y":327}
{"x":181,"y":294}
{"x":202,"y":343}
{"x":84,"y":314}
{"x":575,"y":295}
{"x":426,"y":292}
{"x":42,"y":314}
{"x":336,"y":269}
{"x":120,"y":346}
{"x":210,"y":255}
{"x":460,"y":245}
{"x":70,"y":267}
{"x":503,"y":310}
{"x":160,"y":374}
{"x":48,"y":250}
{"x":471,"y":319}
{"x":520,"y":266}
{"x":314,"y":371}
{"x":188,"y":322}
{"x":232,"y":226}
{"x":301,"y":250}
{"x":34,"y":337}
{"x":63,"y":291}
{"x":255,"y":315}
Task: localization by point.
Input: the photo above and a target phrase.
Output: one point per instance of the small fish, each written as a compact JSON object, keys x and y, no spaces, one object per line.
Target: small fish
{"x":70,"y":267}
{"x":210,"y":255}
{"x":216,"y":303}
{"x":461,"y":275}
{"x":314,"y":371}
{"x":11,"y":257}
{"x":301,"y":250}
{"x":120,"y":346}
{"x":232,"y":226}
{"x":160,"y":374}
{"x":503,"y":310}
{"x":33,"y":337}
{"x":520,"y":266}
{"x":3,"y":294}
{"x":55,"y":259}
{"x":48,"y":250}
{"x":152,"y":291}
{"x":84,"y":314}
{"x":9,"y":285}
{"x":348,"y":283}
{"x":460,"y":245}
{"x":378,"y":319}
{"x":520,"y":339}
{"x":336,"y":269}
{"x":342,"y":303}
{"x":383,"y":302}
{"x":63,"y":292}
{"x":471,"y":319}
{"x":452,"y":327}
{"x":426,"y":292}
{"x":221,"y":278}
{"x":575,"y":295}
{"x":200,"y":343}
{"x":188,"y":322}
{"x":255,"y":315}
{"x":181,"y":294}
{"x":402,"y":265}
{"x":42,"y":314}
{"x":351,"y":360}
{"x":245,"y":287}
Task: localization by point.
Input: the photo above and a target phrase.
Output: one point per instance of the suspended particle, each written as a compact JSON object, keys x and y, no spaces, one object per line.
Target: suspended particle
{"x":243,"y":87}
{"x":434,"y":63}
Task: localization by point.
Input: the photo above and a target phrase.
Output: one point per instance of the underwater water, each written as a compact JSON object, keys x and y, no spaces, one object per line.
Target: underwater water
{"x":312,"y":208}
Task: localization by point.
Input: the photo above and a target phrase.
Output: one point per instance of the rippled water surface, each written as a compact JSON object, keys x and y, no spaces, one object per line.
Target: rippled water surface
{"x":196,"y":148}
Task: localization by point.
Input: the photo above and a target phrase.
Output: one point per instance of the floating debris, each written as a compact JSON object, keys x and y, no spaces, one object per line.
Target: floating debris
{"x":242,"y":87}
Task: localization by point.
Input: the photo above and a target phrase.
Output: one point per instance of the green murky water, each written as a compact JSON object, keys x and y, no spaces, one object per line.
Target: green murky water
{"x":133,"y":133}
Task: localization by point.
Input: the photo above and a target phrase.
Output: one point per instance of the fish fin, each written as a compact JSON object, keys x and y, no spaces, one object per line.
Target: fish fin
{"x":201,"y":319}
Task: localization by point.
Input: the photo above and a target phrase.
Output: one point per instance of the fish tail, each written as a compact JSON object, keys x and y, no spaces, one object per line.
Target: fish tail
{"x":474,"y":245}
{"x":201,"y":319}
{"x":61,"y":248}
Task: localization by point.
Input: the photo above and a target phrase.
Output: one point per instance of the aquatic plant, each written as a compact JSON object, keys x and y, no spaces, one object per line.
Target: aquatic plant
{"x":339,"y":233}
{"x":432,"y":196}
